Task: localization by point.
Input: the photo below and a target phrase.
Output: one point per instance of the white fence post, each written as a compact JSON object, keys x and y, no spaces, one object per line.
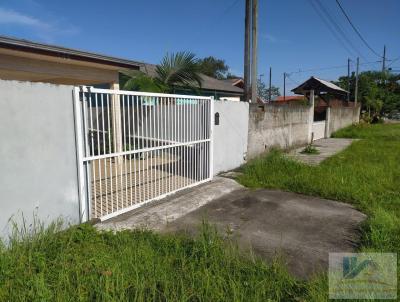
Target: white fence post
{"x":212,"y":136}
{"x":116,"y":117}
{"x":311,"y":115}
{"x":79,"y":139}
{"x":327,"y":121}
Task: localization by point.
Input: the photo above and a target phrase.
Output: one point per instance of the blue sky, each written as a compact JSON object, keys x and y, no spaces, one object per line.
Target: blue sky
{"x":292,"y":36}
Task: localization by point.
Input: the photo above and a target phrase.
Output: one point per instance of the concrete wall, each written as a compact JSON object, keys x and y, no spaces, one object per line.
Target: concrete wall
{"x":230,"y":136}
{"x":341,"y":117}
{"x":275,"y":125}
{"x":37,"y":152}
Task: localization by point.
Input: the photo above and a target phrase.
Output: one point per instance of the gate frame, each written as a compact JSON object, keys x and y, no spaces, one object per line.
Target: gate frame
{"x":82,"y":161}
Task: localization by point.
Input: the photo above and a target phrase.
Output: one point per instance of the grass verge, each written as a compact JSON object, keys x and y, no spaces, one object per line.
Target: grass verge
{"x":367,"y":175}
{"x":82,"y":264}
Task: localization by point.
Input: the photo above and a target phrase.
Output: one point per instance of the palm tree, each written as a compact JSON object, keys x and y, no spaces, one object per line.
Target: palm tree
{"x":179,"y":69}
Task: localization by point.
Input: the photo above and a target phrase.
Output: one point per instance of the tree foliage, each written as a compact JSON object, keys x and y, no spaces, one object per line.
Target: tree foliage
{"x":263,"y":90}
{"x":214,"y":67}
{"x":378,"y":92}
{"x":138,"y":81}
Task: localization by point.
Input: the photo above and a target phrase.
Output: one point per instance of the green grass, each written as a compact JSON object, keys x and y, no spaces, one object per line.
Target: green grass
{"x":81,"y":264}
{"x":367,"y":175}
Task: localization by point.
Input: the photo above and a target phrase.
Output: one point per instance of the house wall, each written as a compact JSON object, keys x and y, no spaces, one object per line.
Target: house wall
{"x":341,"y":117}
{"x":37,"y":153}
{"x":58,"y":71}
{"x":276,"y":125}
{"x":230,"y":136}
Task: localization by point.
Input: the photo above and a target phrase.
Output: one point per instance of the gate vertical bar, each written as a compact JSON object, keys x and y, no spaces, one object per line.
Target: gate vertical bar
{"x":211,"y":137}
{"x":83,"y":202}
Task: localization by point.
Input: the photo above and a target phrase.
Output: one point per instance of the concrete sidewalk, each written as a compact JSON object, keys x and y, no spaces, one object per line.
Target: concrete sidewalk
{"x":327,"y":147}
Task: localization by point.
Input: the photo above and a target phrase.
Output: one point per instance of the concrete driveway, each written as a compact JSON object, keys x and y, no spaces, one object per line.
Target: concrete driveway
{"x":303,"y":229}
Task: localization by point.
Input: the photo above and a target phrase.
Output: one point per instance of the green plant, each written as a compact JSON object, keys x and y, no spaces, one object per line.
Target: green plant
{"x":179,"y":69}
{"x":138,"y":81}
{"x":310,"y":149}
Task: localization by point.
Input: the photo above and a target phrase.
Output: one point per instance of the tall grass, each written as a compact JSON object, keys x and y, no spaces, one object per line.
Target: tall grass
{"x":82,"y":264}
{"x":367,"y":175}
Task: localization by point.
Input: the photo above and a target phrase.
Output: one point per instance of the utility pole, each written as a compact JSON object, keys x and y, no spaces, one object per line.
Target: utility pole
{"x":384,"y":59}
{"x":254,"y":19}
{"x":284,"y":86}
{"x":247,"y":33}
{"x":356,"y":89}
{"x":270,"y":84}
{"x":348,"y":80}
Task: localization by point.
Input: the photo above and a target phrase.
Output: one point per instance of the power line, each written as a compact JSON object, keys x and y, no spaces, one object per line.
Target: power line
{"x":329,"y":68}
{"x":292,"y":80}
{"x":227,"y":10}
{"x":393,"y":61}
{"x":339,"y":28}
{"x":356,"y":30}
{"x":328,"y":25}
{"x":220,"y":17}
{"x":318,"y":69}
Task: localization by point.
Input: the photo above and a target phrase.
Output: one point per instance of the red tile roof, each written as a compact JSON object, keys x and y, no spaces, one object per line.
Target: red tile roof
{"x":290,"y":98}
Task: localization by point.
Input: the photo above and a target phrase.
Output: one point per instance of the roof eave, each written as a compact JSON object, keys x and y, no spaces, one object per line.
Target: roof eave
{"x":68,"y":53}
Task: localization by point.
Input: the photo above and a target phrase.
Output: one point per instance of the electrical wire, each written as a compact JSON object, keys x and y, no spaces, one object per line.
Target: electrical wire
{"x":330,"y":67}
{"x":292,"y":80}
{"x":228,"y":9}
{"x":339,"y":29}
{"x":356,"y":30}
{"x":393,"y":61}
{"x":328,"y":25}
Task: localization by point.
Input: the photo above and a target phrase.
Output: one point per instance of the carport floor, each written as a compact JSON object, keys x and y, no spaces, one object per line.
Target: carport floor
{"x":302,"y":229}
{"x":133,"y":181}
{"x":299,"y":229}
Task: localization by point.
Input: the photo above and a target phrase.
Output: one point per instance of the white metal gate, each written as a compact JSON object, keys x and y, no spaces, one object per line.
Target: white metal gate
{"x":135,"y":147}
{"x":318,"y":128}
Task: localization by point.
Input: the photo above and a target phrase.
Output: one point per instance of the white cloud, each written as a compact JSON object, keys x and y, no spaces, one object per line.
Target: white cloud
{"x":45,"y":30}
{"x":270,"y":38}
{"x":273,"y":39}
{"x":15,"y":18}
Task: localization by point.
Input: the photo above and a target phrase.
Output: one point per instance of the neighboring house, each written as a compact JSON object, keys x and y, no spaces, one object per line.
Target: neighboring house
{"x":290,"y":98}
{"x":238,"y":82}
{"x":37,"y":62}
{"x":220,"y":89}
{"x":327,"y":95}
{"x":325,"y":89}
